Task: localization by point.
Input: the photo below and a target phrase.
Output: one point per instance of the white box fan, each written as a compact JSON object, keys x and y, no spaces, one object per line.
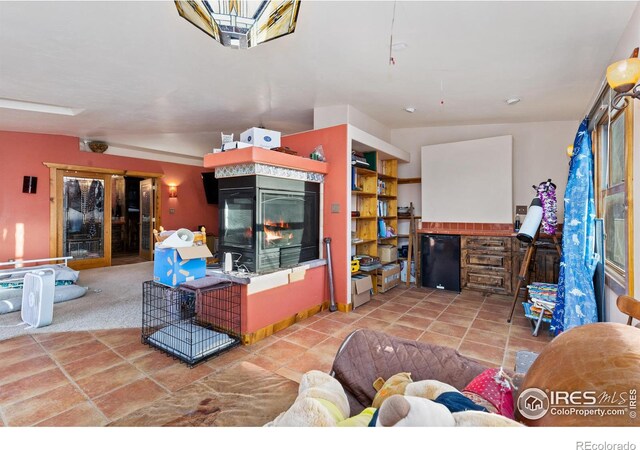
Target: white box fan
{"x":37,"y":298}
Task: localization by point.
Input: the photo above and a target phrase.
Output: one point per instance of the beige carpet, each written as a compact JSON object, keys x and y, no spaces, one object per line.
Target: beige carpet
{"x":114,"y":300}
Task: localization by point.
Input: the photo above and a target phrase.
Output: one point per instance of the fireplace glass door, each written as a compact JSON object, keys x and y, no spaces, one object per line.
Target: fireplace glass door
{"x":238,"y":218}
{"x":288,"y":219}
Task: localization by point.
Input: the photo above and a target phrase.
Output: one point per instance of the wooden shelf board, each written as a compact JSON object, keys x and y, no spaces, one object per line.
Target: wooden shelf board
{"x":388,"y":217}
{"x":387,"y":196}
{"x":387,"y":238}
{"x":409,"y":180}
{"x":365,"y":171}
{"x":365,"y":241}
{"x":364,"y":218}
{"x":364,"y":194}
{"x":409,"y":218}
{"x":383,"y":176}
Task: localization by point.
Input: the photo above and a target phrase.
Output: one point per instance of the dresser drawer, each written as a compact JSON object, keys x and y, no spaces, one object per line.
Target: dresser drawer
{"x":494,"y":243}
{"x":483,"y":259}
{"x":497,"y":282}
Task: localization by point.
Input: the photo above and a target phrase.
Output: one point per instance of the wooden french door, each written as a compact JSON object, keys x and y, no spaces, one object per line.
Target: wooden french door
{"x":147,"y":217}
{"x":84,"y":218}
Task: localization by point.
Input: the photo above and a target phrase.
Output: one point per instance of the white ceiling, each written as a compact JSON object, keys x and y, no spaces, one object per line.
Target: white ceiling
{"x":147,"y":78}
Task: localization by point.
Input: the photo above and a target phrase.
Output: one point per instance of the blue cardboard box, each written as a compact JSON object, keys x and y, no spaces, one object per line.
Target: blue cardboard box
{"x":173,"y":266}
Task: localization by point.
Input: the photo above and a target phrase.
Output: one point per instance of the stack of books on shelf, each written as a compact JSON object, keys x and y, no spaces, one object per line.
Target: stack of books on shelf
{"x":383,"y":208}
{"x":384,"y":230}
{"x":382,"y":187}
{"x":358,"y":159}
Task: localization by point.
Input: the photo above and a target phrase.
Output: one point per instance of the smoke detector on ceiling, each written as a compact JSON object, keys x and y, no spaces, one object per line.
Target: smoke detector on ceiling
{"x":410,"y":109}
{"x":512,"y":100}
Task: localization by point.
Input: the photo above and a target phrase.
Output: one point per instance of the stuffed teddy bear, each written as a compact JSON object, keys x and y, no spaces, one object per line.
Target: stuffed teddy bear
{"x":491,"y":391}
{"x":409,"y":411}
{"x":321,"y":402}
{"x":434,"y":403}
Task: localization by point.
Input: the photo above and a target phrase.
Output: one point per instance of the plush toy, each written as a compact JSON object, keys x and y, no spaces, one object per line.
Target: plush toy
{"x":394,"y":385}
{"x":321,"y":402}
{"x":409,"y":411}
{"x":434,"y":403}
{"x":492,"y":389}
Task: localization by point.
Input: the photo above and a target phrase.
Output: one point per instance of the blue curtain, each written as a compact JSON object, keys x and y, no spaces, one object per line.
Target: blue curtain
{"x":576,"y":304}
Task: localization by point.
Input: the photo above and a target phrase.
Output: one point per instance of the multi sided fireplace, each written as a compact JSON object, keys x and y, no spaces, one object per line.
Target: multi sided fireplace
{"x":269,"y":223}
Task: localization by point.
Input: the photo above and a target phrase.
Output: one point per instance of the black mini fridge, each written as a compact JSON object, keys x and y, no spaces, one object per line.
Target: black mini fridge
{"x":440,"y":262}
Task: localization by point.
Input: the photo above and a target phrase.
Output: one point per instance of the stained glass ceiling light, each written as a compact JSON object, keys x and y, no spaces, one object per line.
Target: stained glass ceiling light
{"x":241,"y":24}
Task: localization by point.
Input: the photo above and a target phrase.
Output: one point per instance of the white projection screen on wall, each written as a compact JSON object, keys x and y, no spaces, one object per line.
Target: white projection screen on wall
{"x":468,"y":181}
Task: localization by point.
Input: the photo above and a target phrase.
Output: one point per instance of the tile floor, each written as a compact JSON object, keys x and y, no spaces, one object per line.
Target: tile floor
{"x":91,"y":378}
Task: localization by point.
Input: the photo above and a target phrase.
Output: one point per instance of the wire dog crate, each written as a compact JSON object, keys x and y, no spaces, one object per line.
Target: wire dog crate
{"x":191,"y":322}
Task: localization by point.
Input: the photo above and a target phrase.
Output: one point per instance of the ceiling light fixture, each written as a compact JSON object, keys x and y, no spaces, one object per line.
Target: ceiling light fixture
{"x":410,"y":109}
{"x":20,"y":105}
{"x":623,"y":77}
{"x":512,"y":100}
{"x":241,"y":23}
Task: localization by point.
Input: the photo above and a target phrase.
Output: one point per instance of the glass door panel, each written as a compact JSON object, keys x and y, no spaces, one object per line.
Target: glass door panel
{"x":146,"y":218}
{"x":238,"y":218}
{"x":288,"y":219}
{"x":84,"y":227}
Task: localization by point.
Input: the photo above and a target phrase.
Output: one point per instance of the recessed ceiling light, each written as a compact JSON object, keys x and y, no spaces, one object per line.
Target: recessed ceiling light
{"x":399,"y":46}
{"x":410,"y":109}
{"x":8,"y":103}
{"x":512,"y":100}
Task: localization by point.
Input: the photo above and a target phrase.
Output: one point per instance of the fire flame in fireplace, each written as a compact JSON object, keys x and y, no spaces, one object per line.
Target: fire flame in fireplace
{"x":276,"y":230}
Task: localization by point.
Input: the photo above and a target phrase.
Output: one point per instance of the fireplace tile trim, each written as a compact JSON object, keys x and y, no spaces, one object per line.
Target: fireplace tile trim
{"x":241,"y":170}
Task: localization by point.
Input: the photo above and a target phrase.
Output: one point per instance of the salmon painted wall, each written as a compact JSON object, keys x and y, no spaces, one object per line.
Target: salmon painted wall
{"x":336,"y":186}
{"x":266,"y":308}
{"x":24,"y":218}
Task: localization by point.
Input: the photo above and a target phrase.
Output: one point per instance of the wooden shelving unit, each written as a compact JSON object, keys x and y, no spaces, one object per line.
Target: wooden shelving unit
{"x":374,"y":195}
{"x":388,"y":199}
{"x":364,"y":200}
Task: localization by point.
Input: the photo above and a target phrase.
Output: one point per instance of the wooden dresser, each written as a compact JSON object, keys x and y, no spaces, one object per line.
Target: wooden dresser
{"x":486,"y":263}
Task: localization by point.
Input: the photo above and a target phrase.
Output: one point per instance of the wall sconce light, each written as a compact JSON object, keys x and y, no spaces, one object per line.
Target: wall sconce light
{"x":173,"y":191}
{"x":623,"y":77}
